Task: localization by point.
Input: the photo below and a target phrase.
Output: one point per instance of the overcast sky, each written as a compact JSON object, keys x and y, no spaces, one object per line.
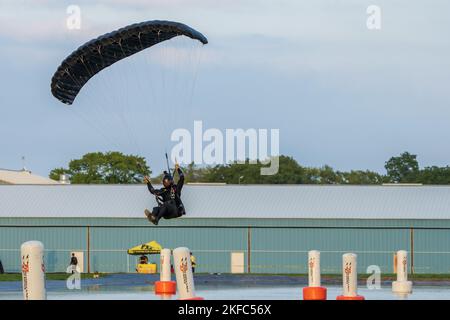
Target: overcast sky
{"x":341,"y":94}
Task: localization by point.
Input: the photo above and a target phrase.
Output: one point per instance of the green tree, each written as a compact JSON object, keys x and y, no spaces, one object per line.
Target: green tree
{"x":323,"y":175}
{"x":402,"y":169}
{"x":55,"y":174}
{"x":290,"y":172}
{"x":115,"y":167}
{"x":435,"y":175}
{"x":194,"y":173}
{"x":104,"y":168}
{"x":361,"y":177}
{"x":328,"y":176}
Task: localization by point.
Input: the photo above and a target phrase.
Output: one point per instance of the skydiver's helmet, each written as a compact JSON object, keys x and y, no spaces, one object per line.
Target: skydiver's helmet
{"x":167,"y":179}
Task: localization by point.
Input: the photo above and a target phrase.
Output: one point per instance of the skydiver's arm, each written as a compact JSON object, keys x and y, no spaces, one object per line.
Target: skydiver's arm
{"x":152,"y":190}
{"x":180,"y":180}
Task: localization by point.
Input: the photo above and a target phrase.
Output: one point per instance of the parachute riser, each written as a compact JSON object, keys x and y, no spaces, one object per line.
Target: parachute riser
{"x":168,"y":166}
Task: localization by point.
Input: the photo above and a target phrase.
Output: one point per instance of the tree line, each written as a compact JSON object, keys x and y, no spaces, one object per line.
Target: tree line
{"x":118,"y":168}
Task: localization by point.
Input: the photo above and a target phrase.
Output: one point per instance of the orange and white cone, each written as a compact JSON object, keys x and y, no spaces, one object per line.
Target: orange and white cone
{"x":314,"y":291}
{"x":165,"y":286}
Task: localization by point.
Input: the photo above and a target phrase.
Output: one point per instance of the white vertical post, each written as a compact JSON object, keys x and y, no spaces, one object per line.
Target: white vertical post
{"x":349,"y":275}
{"x":165,"y":265}
{"x":402,"y":265}
{"x":314,"y":291}
{"x":402,"y":286}
{"x":314,"y":268}
{"x":33,"y":271}
{"x":349,"y":278}
{"x":183,"y":272}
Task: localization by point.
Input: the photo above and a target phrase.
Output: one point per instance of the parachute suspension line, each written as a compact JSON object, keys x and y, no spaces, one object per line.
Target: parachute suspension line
{"x":106,"y":100}
{"x":182,"y":63}
{"x":170,"y":69}
{"x":146,"y":103}
{"x":141,"y":86}
{"x":94,"y":127}
{"x":150,"y":85}
{"x":152,"y":101}
{"x":159,"y":115}
{"x":165,"y":104}
{"x":126,"y":103}
{"x":183,"y":72}
{"x":182,"y":58}
{"x":106,"y":85}
{"x":85,"y":119}
{"x":109,"y":102}
{"x":120,"y":102}
{"x":177,"y":64}
{"x":168,"y":166}
{"x":179,"y":112}
{"x":163,"y":77}
{"x":134,"y":71}
{"x":89,"y":73}
{"x":197,"y":59}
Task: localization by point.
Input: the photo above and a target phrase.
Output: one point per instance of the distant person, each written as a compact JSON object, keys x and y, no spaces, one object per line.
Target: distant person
{"x":73,"y":263}
{"x":143,"y":259}
{"x":193,"y":262}
{"x":2,"y":271}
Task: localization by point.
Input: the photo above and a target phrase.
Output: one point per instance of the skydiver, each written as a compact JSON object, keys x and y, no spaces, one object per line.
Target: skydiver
{"x":169,"y":201}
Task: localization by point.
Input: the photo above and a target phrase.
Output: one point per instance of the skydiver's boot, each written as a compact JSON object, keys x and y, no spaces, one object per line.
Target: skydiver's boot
{"x":154,"y":220}
{"x":181,"y":211}
{"x":150,"y":217}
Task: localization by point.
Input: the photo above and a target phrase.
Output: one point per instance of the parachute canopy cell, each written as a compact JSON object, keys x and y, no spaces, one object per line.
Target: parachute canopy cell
{"x":98,"y":54}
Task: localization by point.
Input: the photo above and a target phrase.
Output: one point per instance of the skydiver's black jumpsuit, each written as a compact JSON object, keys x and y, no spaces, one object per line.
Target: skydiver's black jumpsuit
{"x":172,"y":206}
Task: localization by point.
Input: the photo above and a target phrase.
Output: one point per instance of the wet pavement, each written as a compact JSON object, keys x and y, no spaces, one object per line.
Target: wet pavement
{"x":227,"y":287}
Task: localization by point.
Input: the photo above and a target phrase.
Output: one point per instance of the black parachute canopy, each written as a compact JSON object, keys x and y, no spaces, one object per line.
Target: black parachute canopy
{"x":98,"y":54}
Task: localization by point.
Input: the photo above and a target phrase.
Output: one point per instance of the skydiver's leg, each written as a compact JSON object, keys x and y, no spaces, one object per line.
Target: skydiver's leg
{"x":155,"y":211}
{"x":148,"y":214}
{"x":181,"y":211}
{"x":151,"y":216}
{"x":172,"y":212}
{"x":161,"y":213}
{"x":176,"y":213}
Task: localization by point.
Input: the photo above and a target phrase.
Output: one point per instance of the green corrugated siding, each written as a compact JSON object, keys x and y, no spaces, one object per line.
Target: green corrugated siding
{"x":212,"y":247}
{"x":286,"y":251}
{"x":58,"y":243}
{"x":277,"y":246}
{"x":432,"y":251}
{"x":230,"y":222}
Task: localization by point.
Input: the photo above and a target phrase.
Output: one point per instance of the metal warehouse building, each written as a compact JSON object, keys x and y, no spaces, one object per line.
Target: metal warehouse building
{"x":257,"y":229}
